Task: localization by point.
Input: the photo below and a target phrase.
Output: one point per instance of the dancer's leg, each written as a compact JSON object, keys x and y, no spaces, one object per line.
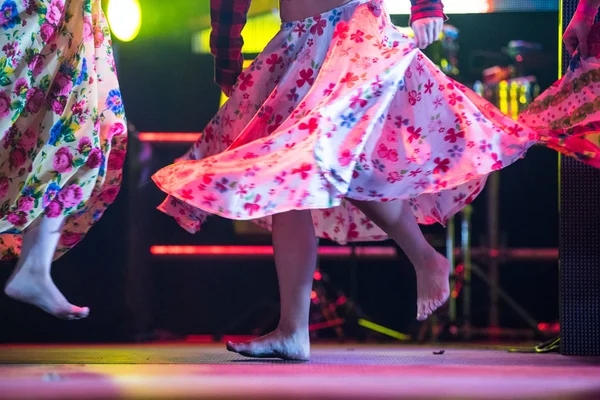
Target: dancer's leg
{"x":432,"y":269}
{"x":31,"y":281}
{"x":295,"y":247}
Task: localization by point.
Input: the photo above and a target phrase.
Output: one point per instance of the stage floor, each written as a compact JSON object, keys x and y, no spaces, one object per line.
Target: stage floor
{"x":335,"y":372}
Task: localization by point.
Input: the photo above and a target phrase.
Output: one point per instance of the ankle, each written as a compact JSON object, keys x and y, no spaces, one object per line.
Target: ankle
{"x":33,"y":270}
{"x":292,"y":329}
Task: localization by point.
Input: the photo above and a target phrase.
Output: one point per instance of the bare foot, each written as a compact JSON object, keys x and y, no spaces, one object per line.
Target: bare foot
{"x":293,"y":347}
{"x":38,"y":289}
{"x":433,"y":285}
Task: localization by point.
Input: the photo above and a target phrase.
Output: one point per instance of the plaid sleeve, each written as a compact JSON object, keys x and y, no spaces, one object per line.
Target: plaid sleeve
{"x":228,"y":18}
{"x":426,"y":9}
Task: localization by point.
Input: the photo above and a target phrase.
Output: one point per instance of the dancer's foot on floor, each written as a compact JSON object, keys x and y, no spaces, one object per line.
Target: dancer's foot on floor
{"x":292,"y":347}
{"x":39,"y":290}
{"x":433,"y":286}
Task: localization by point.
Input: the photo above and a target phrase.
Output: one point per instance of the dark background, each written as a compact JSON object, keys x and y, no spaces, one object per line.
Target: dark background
{"x":166,"y":88}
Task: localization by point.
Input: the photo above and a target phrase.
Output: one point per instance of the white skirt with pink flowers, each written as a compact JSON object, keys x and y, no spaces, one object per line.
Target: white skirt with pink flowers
{"x":342,"y":105}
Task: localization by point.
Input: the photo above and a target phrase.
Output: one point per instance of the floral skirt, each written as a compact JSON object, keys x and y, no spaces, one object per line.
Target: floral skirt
{"x":63,"y":132}
{"x":342,"y":105}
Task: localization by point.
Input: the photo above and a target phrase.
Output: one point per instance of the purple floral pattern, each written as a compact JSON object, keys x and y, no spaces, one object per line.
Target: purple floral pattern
{"x":62,"y":127}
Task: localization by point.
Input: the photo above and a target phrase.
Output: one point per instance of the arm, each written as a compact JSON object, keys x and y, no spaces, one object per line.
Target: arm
{"x":228,"y":18}
{"x":577,"y":32}
{"x":591,"y":5}
{"x":427,"y":9}
{"x":427,"y":20}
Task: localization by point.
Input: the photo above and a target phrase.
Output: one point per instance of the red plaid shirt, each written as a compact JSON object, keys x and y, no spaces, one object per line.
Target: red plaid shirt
{"x":228,"y":18}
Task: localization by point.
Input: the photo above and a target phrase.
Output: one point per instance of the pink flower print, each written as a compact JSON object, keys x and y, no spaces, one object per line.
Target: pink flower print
{"x":349,"y":79}
{"x":377,"y":83}
{"x":515,"y":130}
{"x":394,"y":177}
{"x":186,"y":194}
{"x":306,"y":76}
{"x":17,"y":218}
{"x":442,"y":165}
{"x":484,"y":146}
{"x":280,"y":179}
{"x":251,"y":208}
{"x":420,"y":184}
{"x":312,"y":126}
{"x":385,"y":153}
{"x":358,"y":36}
{"x":341,"y":30}
{"x":4,"y":104}
{"x":415,"y":134}
{"x":303,"y":170}
{"x":437,"y":102}
{"x":357,"y":100}
{"x":245,"y":81}
{"x":455,"y":99}
{"x":328,"y":91}
{"x":429,"y":87}
{"x":25,"y":203}
{"x":345,"y":158}
{"x":109,"y":195}
{"x":414,"y":97}
{"x":408,"y":73}
{"x":29,"y":140}
{"x":4,"y":185}
{"x":352,"y":231}
{"x":70,"y":196}
{"x":392,"y":137}
{"x":54,"y":12}
{"x":273,"y":61}
{"x":319,"y":26}
{"x":54,"y":209}
{"x":498,"y":163}
{"x":440,"y":185}
{"x":36,"y":65}
{"x":63,"y":160}
{"x":70,"y":239}
{"x":300,"y":29}
{"x":452,"y":135}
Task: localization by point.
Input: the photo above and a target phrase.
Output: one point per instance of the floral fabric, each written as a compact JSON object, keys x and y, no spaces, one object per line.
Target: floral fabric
{"x":342,"y":105}
{"x":62,"y":126}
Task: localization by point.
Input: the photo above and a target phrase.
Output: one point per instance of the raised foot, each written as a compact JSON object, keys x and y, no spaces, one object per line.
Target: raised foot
{"x":289,"y":347}
{"x":433,"y":285}
{"x":39,"y":290}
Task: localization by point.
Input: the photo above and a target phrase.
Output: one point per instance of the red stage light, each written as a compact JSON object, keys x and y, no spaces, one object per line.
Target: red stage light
{"x":169,"y":137}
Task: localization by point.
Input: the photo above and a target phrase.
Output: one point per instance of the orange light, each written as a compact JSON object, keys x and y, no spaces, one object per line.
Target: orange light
{"x":169,"y":137}
{"x":212,"y":250}
{"x":330,"y":251}
{"x":313,"y":295}
{"x":318,"y":276}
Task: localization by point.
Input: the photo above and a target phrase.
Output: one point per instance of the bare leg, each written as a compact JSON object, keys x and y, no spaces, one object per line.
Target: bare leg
{"x":31,"y":281}
{"x":432,"y":269}
{"x":295,"y":248}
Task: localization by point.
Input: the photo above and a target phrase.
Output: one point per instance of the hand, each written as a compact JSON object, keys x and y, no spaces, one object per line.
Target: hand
{"x":576,"y":34}
{"x":427,"y":30}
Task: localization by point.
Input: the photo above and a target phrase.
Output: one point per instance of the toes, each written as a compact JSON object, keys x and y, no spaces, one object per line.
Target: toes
{"x":231,"y":347}
{"x":421,"y":311}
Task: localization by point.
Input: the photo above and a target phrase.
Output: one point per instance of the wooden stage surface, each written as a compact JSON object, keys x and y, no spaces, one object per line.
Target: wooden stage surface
{"x":175,"y":371}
